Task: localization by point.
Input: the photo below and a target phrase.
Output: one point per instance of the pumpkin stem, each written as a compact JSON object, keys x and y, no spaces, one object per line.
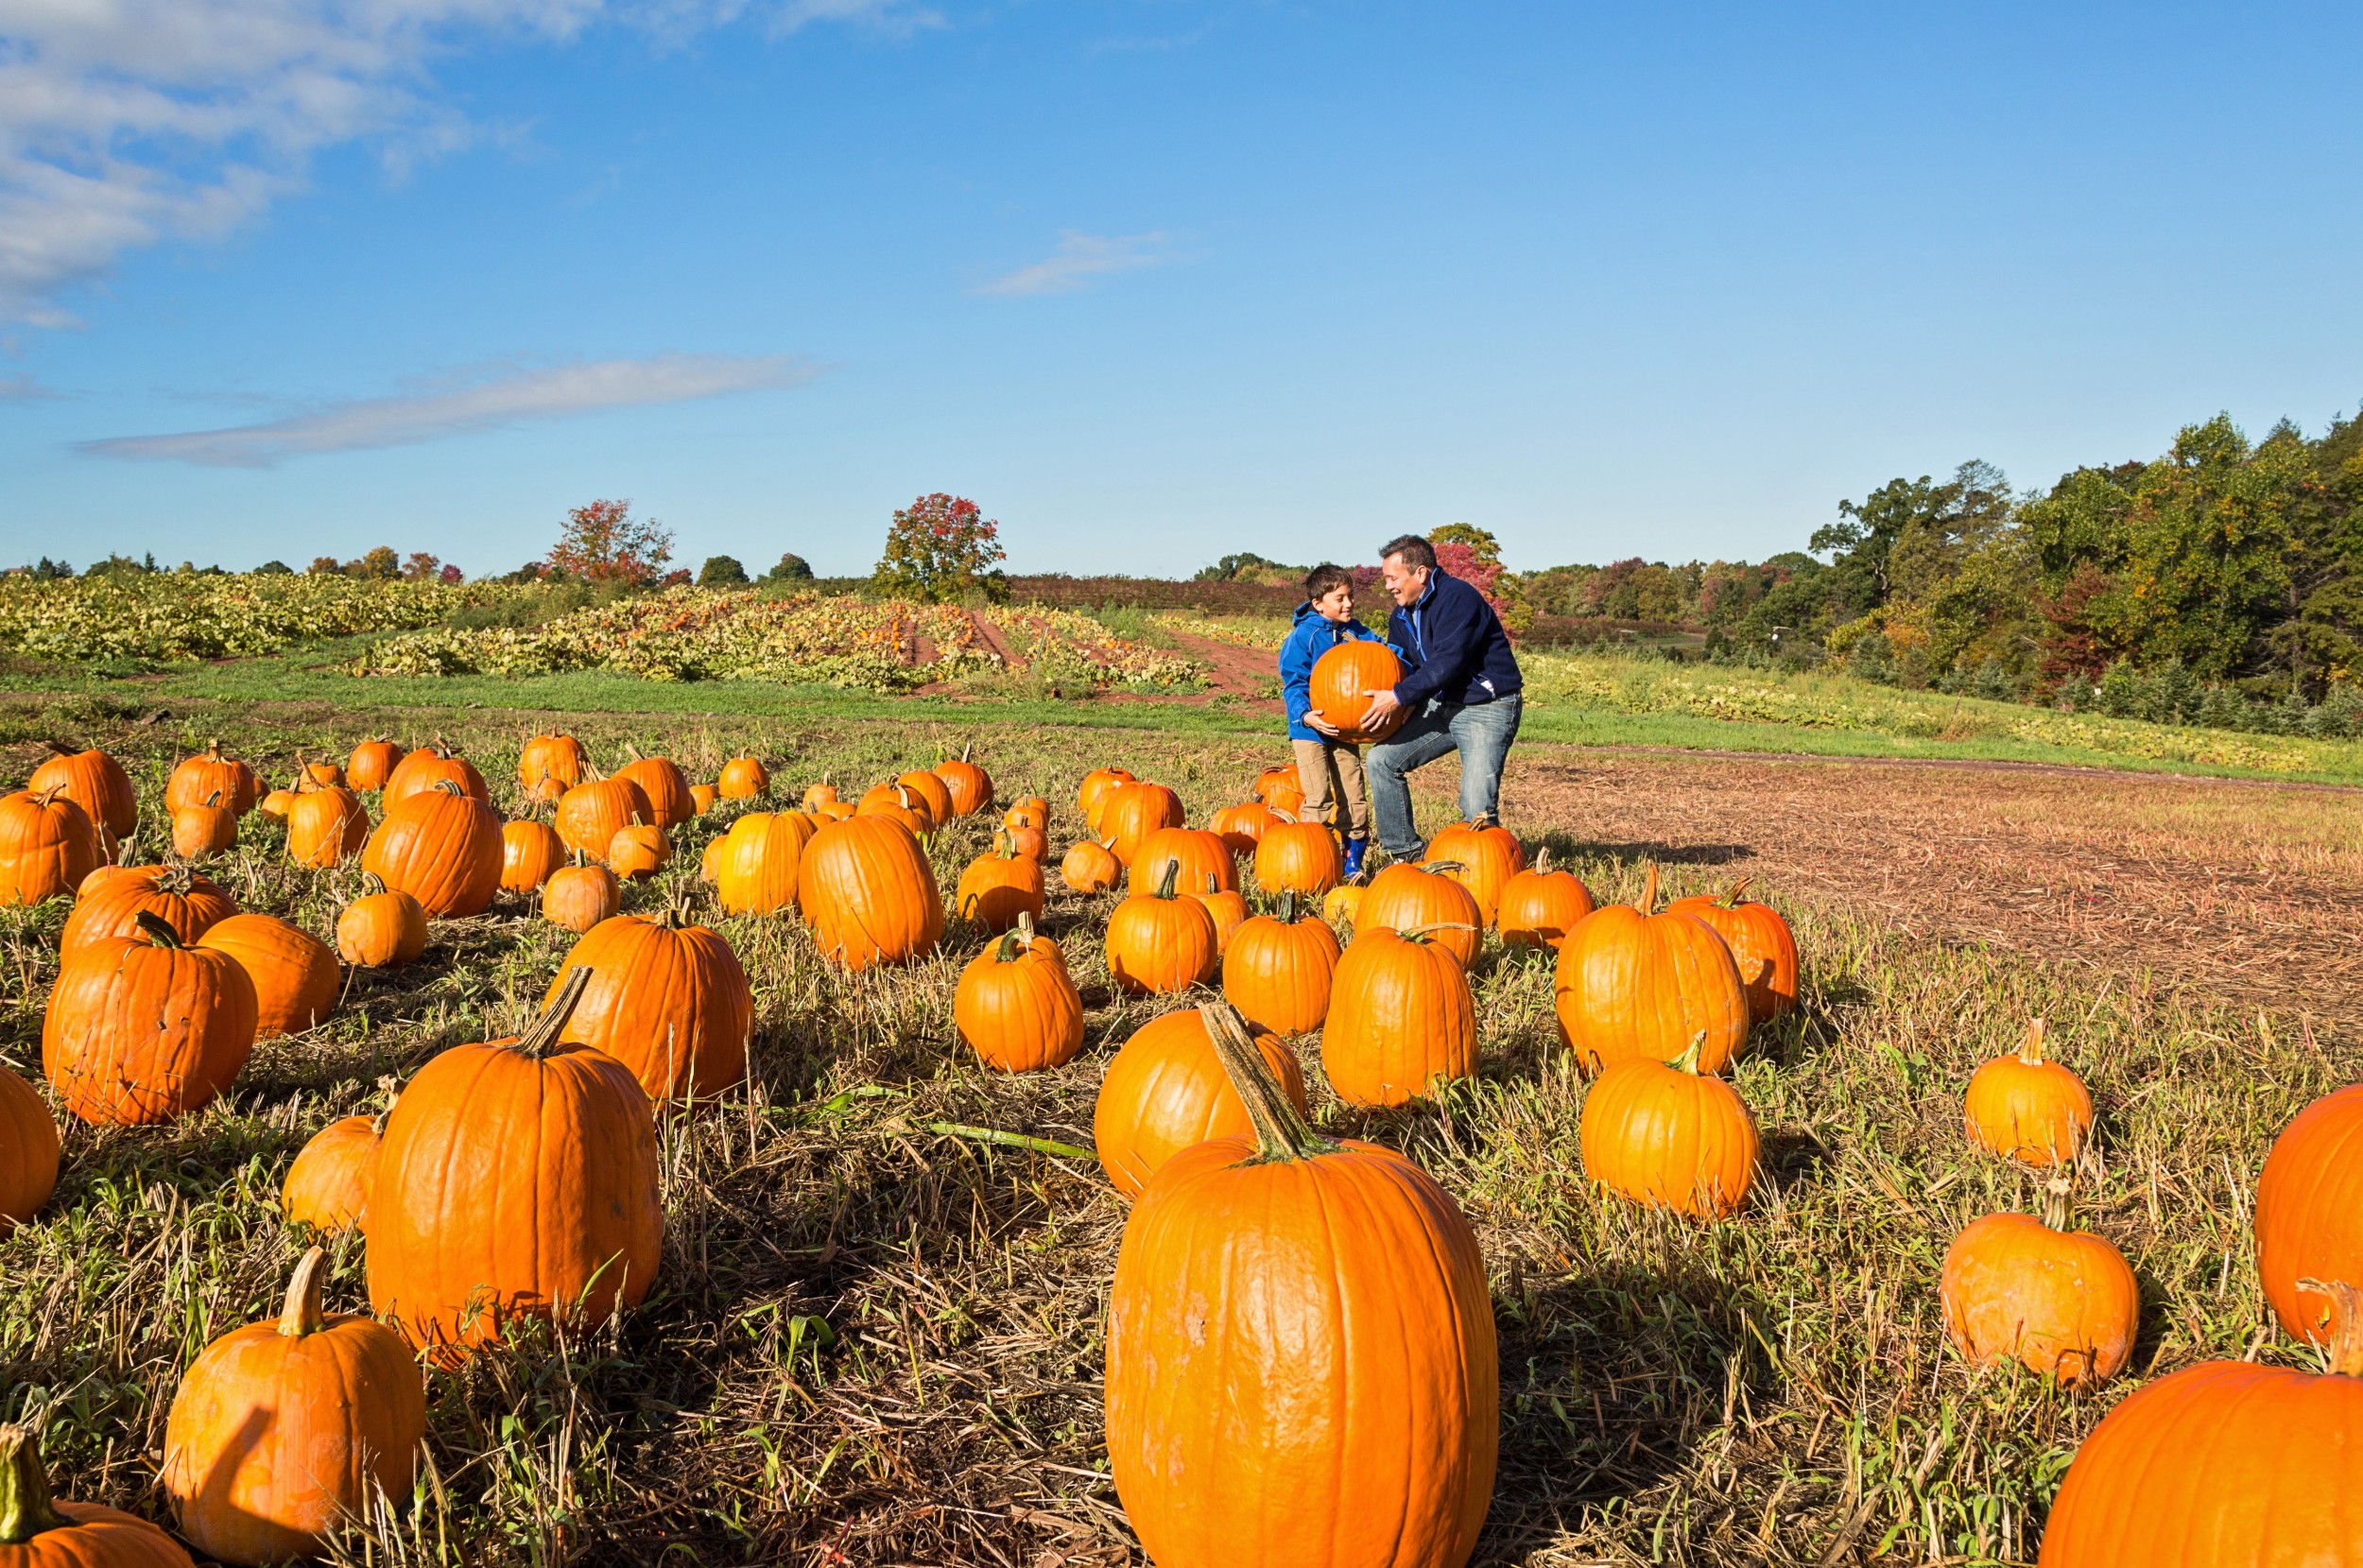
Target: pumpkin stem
{"x":536,"y":1041}
{"x":61,"y":748}
{"x":159,"y":932}
{"x":1542,"y":861}
{"x":1422,"y":933}
{"x":1280,"y":1134}
{"x":1004,"y":847}
{"x":447,"y":786}
{"x":1688,"y":1060}
{"x":1172,"y":878}
{"x":301,"y":1315}
{"x":2030,"y":1048}
{"x":1443,"y":868}
{"x":2058,"y":1204}
{"x":966,"y":750}
{"x":2346,"y":1324}
{"x":675,"y":914}
{"x":1648,"y":891}
{"x":1739,"y":895}
{"x":48,"y":798}
{"x":1287,"y":905}
{"x":1214,"y":884}
{"x":26,"y":1509}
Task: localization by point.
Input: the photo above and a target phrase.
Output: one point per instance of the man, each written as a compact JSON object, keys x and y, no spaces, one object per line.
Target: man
{"x":1459,"y":694}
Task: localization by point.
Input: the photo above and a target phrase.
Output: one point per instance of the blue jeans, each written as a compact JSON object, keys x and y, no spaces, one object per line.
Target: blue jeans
{"x":1481,"y":732}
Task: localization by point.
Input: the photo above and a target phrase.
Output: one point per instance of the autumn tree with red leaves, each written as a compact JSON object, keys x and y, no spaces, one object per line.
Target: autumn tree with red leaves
{"x":943,"y":547}
{"x":604,"y":542}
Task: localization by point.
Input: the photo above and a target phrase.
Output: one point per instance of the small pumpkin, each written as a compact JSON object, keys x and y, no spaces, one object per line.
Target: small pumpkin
{"x":548,"y":766}
{"x":1279,"y":968}
{"x":2309,"y":1210}
{"x":294,"y":974}
{"x":639,"y":851}
{"x":868,"y":893}
{"x":1228,"y":907}
{"x":2061,"y":1301}
{"x":1632,"y":982}
{"x":1762,"y":946}
{"x":1243,"y":826}
{"x":580,"y":896}
{"x":900,"y":805}
{"x":667,"y":788}
{"x":1400,"y":1017}
{"x":702,"y":797}
{"x":1343,"y":905}
{"x":1132,"y":812}
{"x":531,"y":851}
{"x":93,"y":781}
{"x":428,"y":766}
{"x":140,"y":1030}
{"x":1665,"y":1134}
{"x":1539,"y":905}
{"x":113,"y":897}
{"x":48,"y":845}
{"x":1343,"y":681}
{"x":1031,"y":842}
{"x":1091,"y":798}
{"x":29,"y":1152}
{"x":327,"y":826}
{"x":275,"y":804}
{"x":1420,"y":898}
{"x":1281,"y":789}
{"x":1165,"y":1091}
{"x":1201,"y":854}
{"x":384,"y":929}
{"x":760,"y":868}
{"x":1015,"y":1004}
{"x":815,"y":795}
{"x":371,"y":765}
{"x":209,"y":774}
{"x":589,"y":814}
{"x":1297,"y":858}
{"x":666,"y":998}
{"x":38,"y":1532}
{"x":931,"y":788}
{"x":1482,"y":857}
{"x":970,"y":786}
{"x":1160,"y":942}
{"x":519,"y":1179}
{"x":203,"y":830}
{"x":282,"y":1430}
{"x":999,"y":887}
{"x":328,"y":1184}
{"x":1026,"y":814}
{"x":440,"y":845}
{"x":1088,"y":868}
{"x":2023,"y":1107}
{"x":318,"y":775}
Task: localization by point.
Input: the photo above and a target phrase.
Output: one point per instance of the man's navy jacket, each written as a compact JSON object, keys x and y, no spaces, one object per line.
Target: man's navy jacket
{"x":1453,"y":644}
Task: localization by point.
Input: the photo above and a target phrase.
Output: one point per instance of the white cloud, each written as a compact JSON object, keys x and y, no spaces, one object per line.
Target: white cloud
{"x":1080,"y":258}
{"x":24,"y":389}
{"x":128,"y":122}
{"x":459,"y":408}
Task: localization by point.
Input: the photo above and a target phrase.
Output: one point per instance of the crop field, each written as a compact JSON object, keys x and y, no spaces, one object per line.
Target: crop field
{"x":876,"y":1332}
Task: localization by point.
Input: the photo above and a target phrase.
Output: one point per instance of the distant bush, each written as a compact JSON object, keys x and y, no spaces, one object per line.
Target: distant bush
{"x":721,"y":572}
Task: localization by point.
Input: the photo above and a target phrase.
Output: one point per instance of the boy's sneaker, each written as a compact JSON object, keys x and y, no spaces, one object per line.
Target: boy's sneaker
{"x":1355,"y":849}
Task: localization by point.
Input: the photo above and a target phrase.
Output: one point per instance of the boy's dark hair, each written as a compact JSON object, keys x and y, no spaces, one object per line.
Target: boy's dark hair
{"x":1416,"y":552}
{"x":1321,"y":578}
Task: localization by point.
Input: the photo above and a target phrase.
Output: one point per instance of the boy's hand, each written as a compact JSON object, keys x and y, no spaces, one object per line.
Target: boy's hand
{"x":1312,"y":720}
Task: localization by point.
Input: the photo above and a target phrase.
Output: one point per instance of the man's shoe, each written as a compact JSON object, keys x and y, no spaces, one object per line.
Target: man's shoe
{"x":1355,"y":849}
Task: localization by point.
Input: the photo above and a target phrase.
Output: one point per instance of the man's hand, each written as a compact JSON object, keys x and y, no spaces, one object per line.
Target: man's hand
{"x":1312,"y":720}
{"x":1380,"y":714}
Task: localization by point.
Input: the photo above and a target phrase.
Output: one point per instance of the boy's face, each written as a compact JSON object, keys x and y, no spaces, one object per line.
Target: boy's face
{"x":1337,"y":604}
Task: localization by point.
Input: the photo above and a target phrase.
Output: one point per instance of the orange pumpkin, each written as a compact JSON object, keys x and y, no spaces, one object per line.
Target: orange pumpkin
{"x":93,"y":781}
{"x":971,"y":787}
{"x":382,"y":930}
{"x":2022,"y":1106}
{"x":29,"y":1152}
{"x":999,"y":889}
{"x":2309,"y":1210}
{"x":590,"y":813}
{"x":328,"y":1185}
{"x":1278,"y":779}
{"x":318,"y":775}
{"x":549,"y":766}
{"x":201,"y":831}
{"x":1285,"y":1389}
{"x":440,"y":846}
{"x":429,"y":766}
{"x":519,"y":1179}
{"x":113,"y":897}
{"x":371,"y":764}
{"x":530,"y":852}
{"x":1092,"y":799}
{"x":1132,"y":812}
{"x":1025,"y":815}
{"x":760,"y":868}
{"x":2227,"y":1464}
{"x":1539,"y":906}
{"x":1345,"y":678}
{"x":1228,"y":908}
{"x":816,"y":795}
{"x":2062,"y":1303}
{"x":1278,"y":970}
{"x":1400,"y":1017}
{"x":580,"y":896}
{"x":1482,"y":857}
{"x":702,"y":797}
{"x":1243,"y":826}
{"x":744,"y":777}
{"x":933,"y":790}
{"x":867,"y":894}
{"x":832,"y":811}
{"x":1761,"y":945}
{"x":1411,"y":898}
{"x":1631,"y":983}
{"x":1165,"y":1091}
{"x":666,"y":999}
{"x":294,"y":974}
{"x":1015,"y":1006}
{"x":1297,"y":858}
{"x":200,"y":778}
{"x":667,"y":791}
{"x":36,"y":1532}
{"x":1028,"y":841}
{"x":140,"y":1030}
{"x":1089,"y":868}
{"x":1343,"y":904}
{"x":48,"y":845}
{"x":1159,"y":943}
{"x":899,"y":803}
{"x":282,"y":1430}
{"x":1199,"y":855}
{"x":639,"y":851}
{"x":327,"y":826}
{"x":275,"y":804}
{"x":1665,"y":1134}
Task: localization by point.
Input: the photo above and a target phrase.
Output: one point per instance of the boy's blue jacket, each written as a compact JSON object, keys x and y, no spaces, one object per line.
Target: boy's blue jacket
{"x":1454,"y":646}
{"x":1313,"y":635}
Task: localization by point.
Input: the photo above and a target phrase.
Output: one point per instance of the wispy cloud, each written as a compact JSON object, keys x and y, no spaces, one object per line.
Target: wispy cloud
{"x":131,"y":122}
{"x":24,"y":389}
{"x":453,"y":409}
{"x":1082,"y":258}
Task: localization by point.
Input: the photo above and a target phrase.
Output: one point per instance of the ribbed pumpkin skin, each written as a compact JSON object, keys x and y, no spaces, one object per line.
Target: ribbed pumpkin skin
{"x":201,"y":830}
{"x":1400,"y":1017}
{"x":2222,"y":1465}
{"x":1159,"y":945}
{"x":1633,"y":985}
{"x":1274,"y":783}
{"x":997,"y":888}
{"x":530,"y":853}
{"x":371,"y":764}
{"x":422,"y":769}
{"x":1243,"y":826}
{"x":1132,"y":812}
{"x":294,"y":974}
{"x":1539,"y":908}
{"x":578,"y":897}
{"x":1229,"y":913}
{"x":1297,"y":858}
{"x":509,"y":1187}
{"x":589,"y":814}
{"x":200,"y":777}
{"x":1669,"y":1138}
{"x":702,"y":797}
{"x":112,"y":904}
{"x":1092,"y":798}
{"x":1480,"y":860}
{"x":549,"y":766}
{"x":325,"y":827}
{"x":29,"y":1152}
{"x":743,"y":779}
{"x":382,"y":931}
{"x":2062,"y":1303}
{"x":275,"y":806}
{"x":1343,"y":682}
{"x":1200,"y":854}
{"x":2038,"y":1111}
{"x":666,"y":789}
{"x":1408,"y":898}
{"x":970,"y":786}
{"x":1279,"y":972}
{"x":868,"y":893}
{"x":443,"y":848}
{"x":1166,"y":1092}
{"x":274,"y":1439}
{"x":2309,"y":1210}
{"x":671,"y":1004}
{"x":639,"y":851}
{"x":1089,"y":868}
{"x":328,"y":1184}
{"x":1302,"y":1369}
{"x":99,"y":1538}
{"x":932,"y":789}
{"x":137,"y":1034}
{"x":1762,"y":946}
{"x":1022,"y":1014}
{"x":760,"y":867}
{"x":48,"y":844}
{"x":97,"y":784}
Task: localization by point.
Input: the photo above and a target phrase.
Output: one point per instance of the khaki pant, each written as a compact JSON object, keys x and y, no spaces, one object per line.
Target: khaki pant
{"x":1322,"y":763}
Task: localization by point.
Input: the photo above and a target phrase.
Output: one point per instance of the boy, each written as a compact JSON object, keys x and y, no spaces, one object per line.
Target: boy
{"x":1325,"y":620}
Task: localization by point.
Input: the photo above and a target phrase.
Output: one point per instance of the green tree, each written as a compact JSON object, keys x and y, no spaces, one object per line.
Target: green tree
{"x":378,"y":565}
{"x":721,"y":572}
{"x":943,"y":547}
{"x":791,"y":567}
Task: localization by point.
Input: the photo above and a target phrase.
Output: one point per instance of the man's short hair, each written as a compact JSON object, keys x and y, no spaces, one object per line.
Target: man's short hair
{"x":1321,"y":578}
{"x":1416,"y":552}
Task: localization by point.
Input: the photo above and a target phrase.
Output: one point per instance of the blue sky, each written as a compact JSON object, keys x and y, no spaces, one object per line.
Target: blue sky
{"x":1150,"y":280}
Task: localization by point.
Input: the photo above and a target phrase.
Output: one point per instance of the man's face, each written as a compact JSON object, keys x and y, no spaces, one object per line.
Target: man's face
{"x":1407,"y":583}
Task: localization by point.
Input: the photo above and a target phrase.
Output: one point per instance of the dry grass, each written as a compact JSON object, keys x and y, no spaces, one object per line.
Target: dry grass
{"x":874,"y":1344}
